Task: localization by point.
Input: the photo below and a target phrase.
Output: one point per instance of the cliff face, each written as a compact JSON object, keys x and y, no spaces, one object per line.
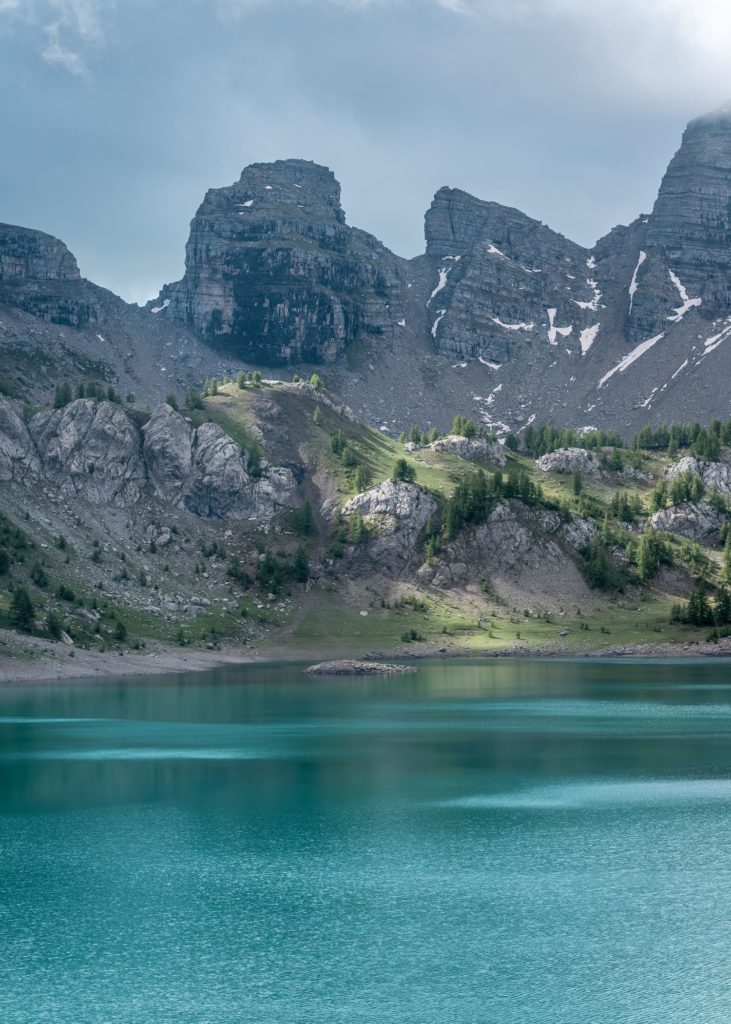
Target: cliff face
{"x":500,"y":280}
{"x":27,"y":254}
{"x":39,"y":275}
{"x":275,"y":275}
{"x":691,"y":220}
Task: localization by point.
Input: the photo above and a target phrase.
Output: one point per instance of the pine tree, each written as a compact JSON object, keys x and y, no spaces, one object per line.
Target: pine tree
{"x":363,"y":478}
{"x":62,"y":395}
{"x":22,"y":613}
{"x":317,"y":418}
{"x":301,"y":569}
{"x":403,"y":472}
{"x":576,"y":483}
{"x":357,"y":527}
{"x":727,"y":558}
{"x":241,"y":379}
{"x":723,"y":607}
{"x":316,"y":381}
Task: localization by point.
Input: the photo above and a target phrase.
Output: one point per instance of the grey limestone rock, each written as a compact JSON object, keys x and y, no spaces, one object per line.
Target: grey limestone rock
{"x":396,"y":514}
{"x":568,"y":460}
{"x":696,"y":520}
{"x":472,"y":448}
{"x":18,"y":455}
{"x":91,"y":450}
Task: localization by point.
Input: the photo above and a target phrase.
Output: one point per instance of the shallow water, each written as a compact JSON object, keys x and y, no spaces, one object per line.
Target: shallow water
{"x":479,"y":843}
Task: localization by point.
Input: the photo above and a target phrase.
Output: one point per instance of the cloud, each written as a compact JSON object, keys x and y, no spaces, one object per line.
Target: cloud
{"x":69,"y":31}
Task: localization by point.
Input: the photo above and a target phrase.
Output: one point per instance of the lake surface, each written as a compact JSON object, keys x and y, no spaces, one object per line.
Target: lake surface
{"x":479,"y":843}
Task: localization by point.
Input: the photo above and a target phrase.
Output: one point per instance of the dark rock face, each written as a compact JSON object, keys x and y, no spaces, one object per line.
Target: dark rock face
{"x":39,"y":275}
{"x":27,"y":254}
{"x":691,"y":220}
{"x":501,"y":281}
{"x":274,"y":274}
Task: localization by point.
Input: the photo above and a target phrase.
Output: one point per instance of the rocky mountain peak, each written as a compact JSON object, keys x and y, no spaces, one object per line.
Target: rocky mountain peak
{"x":26,"y":254}
{"x":307,"y":185}
{"x":691,"y":220}
{"x":274,"y":274}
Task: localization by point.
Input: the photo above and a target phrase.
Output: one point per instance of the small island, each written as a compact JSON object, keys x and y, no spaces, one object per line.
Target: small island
{"x":358,"y":668}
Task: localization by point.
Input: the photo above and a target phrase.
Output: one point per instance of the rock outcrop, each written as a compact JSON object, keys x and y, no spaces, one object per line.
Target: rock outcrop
{"x":516,"y":541}
{"x":95,"y":451}
{"x":472,"y":448}
{"x":18,"y":455}
{"x":569,"y":460}
{"x":274,"y":274}
{"x":168,"y":451}
{"x":34,"y":256}
{"x":396,"y":515}
{"x":695,"y":520}
{"x":91,"y":450}
{"x":715,"y":475}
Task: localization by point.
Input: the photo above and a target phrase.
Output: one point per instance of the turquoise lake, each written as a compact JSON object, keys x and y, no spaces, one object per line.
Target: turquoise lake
{"x":496,"y":842}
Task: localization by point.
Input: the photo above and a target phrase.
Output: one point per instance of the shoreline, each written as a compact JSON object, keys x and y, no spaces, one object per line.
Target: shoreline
{"x":33,"y":660}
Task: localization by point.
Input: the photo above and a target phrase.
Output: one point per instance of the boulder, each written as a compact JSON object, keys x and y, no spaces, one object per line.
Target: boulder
{"x":168,"y":451}
{"x":474,"y":448}
{"x":567,"y":460}
{"x":396,"y":515}
{"x":696,"y":520}
{"x":220,"y":484}
{"x":91,"y":450}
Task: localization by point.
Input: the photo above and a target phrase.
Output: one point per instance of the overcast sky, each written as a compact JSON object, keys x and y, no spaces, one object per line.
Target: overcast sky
{"x":117,"y":115}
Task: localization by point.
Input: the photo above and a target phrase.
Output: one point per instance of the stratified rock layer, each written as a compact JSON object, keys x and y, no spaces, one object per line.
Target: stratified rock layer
{"x":274,"y":274}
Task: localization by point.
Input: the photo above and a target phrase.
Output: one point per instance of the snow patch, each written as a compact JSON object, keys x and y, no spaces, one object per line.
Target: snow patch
{"x":716,"y":339}
{"x":436,"y":322}
{"x":512,"y":327}
{"x":553,"y":331}
{"x":633,"y":282}
{"x":401,"y":323}
{"x":249,"y":202}
{"x":159,"y":309}
{"x":458,"y":366}
{"x":631,"y":357}
{"x":593,"y":305}
{"x":100,"y":338}
{"x":455,"y":258}
{"x":687,"y":303}
{"x":588,"y":337}
{"x":650,"y":397}
{"x":486,"y":362}
{"x":268,"y":187}
{"x":679,"y":369}
{"x":443,"y":275}
{"x":494,"y":251}
{"x":591,"y":263}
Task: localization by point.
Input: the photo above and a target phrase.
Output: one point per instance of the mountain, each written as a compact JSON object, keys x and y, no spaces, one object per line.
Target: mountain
{"x":55,"y":325}
{"x":501,"y":317}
